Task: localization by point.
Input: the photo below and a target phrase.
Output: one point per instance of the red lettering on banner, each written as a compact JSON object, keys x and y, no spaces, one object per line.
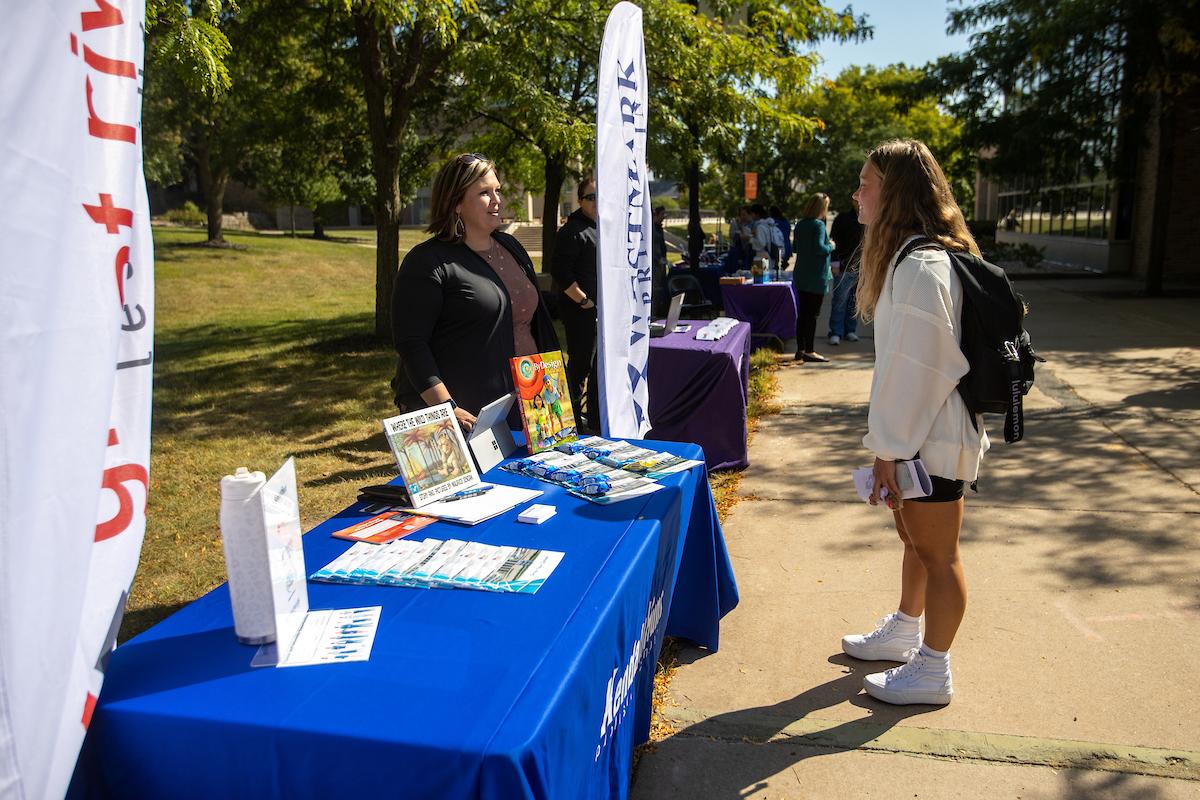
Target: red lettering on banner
{"x":107,"y":130}
{"x":122,"y":263}
{"x":110,"y":216}
{"x":74,"y":45}
{"x":111,"y":66}
{"x":89,"y":706}
{"x":107,"y":16}
{"x":114,"y":480}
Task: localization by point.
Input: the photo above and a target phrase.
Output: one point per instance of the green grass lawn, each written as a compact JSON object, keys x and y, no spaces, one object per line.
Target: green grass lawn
{"x":263,"y":352}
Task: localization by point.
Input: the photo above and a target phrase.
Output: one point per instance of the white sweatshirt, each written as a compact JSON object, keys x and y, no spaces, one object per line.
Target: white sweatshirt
{"x":915,"y":406}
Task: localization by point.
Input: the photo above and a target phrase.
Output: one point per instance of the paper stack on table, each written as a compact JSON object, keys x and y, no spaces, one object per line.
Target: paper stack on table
{"x":449,"y":564}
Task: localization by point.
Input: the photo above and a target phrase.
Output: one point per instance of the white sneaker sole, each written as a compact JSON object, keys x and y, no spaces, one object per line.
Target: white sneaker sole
{"x":906,"y":697}
{"x":866,"y":652}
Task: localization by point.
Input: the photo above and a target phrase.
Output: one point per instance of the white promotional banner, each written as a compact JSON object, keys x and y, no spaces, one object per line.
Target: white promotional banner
{"x":76,"y":348}
{"x":623,"y":206}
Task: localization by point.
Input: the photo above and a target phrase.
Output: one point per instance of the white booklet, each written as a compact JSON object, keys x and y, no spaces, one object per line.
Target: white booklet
{"x":911,"y":477}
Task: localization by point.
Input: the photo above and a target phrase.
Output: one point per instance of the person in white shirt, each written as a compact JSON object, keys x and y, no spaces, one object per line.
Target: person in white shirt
{"x":916,"y":411}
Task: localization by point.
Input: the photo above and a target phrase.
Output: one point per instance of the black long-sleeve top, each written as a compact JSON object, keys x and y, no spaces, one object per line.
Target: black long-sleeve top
{"x":452,"y":324}
{"x":575,"y":254}
{"x":847,"y":234}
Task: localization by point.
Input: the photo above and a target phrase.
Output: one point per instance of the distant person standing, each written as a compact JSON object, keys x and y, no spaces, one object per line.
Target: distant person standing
{"x":811,"y":276}
{"x":785,"y":229}
{"x":766,"y":239}
{"x":847,"y":233}
{"x":574,"y":271}
{"x":741,"y":235}
{"x":659,"y":265}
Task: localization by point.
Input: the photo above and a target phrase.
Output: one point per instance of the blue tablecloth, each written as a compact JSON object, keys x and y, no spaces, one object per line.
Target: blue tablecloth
{"x":466,"y":695}
{"x":699,"y":391}
{"x":770,"y":308}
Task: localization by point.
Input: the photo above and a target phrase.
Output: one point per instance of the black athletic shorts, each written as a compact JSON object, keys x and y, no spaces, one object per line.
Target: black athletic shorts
{"x":945,"y":490}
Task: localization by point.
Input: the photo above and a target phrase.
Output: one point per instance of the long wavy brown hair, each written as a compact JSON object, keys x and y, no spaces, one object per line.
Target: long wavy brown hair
{"x":914,"y":198}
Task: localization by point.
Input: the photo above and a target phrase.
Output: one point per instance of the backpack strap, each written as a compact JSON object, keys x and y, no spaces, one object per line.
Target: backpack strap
{"x":919,"y":243}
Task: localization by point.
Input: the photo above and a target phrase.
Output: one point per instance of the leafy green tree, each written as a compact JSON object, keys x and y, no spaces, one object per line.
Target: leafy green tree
{"x":859,"y":109}
{"x":1044,"y":80}
{"x":313,"y":148}
{"x":532,"y":73}
{"x":218,"y":132}
{"x":717,"y":75}
{"x":403,"y":50}
{"x":186,"y":38}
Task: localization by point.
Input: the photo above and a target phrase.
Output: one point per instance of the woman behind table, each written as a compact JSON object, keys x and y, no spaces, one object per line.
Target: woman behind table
{"x":466,"y":300}
{"x":811,"y":276}
{"x":916,"y":411}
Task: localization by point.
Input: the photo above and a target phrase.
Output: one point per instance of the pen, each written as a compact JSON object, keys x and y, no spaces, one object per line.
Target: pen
{"x":474,"y":491}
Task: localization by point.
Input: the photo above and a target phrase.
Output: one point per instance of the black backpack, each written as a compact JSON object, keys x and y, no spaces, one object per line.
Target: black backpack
{"x":994,"y":339}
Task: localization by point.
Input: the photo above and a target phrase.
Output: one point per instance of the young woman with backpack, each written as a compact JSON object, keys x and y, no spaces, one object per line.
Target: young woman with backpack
{"x":916,"y":411}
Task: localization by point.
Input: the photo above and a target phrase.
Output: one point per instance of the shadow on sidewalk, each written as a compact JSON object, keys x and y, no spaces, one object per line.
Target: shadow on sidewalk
{"x":758,"y":725}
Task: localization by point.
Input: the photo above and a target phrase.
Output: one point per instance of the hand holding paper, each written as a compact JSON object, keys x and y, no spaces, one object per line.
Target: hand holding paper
{"x":911,"y":477}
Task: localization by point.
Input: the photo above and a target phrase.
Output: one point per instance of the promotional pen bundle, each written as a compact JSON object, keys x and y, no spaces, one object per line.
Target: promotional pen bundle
{"x":601,"y":470}
{"x":442,"y":564}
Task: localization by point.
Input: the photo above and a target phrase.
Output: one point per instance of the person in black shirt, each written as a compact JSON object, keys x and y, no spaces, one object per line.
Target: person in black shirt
{"x":465,"y":301}
{"x":574,"y":269}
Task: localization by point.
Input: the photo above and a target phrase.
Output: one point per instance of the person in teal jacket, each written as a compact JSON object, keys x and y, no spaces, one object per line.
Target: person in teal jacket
{"x":811,"y":277}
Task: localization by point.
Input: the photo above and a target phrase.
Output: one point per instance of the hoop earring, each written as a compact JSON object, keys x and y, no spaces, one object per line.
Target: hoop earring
{"x":460,"y":230}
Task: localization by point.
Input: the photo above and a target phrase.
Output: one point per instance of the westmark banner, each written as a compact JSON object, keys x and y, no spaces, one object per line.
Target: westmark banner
{"x":76,"y":348}
{"x":623,"y":208}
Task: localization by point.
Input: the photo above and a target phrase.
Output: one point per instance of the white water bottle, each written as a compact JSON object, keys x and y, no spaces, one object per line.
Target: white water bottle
{"x":244,"y":536}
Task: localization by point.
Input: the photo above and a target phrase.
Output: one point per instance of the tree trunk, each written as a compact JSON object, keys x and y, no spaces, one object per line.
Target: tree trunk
{"x":695,"y":229}
{"x":318,"y":225}
{"x":1162,"y":196}
{"x":386,"y":134}
{"x":387,"y":244}
{"x":555,"y":174}
{"x":212,"y":186}
{"x":292,"y":215}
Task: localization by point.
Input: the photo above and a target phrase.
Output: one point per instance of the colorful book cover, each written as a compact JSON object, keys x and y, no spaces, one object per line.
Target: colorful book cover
{"x":541,"y":384}
{"x":431,"y":453}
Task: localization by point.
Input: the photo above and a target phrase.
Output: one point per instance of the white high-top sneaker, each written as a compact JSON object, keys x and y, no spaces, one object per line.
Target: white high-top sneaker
{"x":890,"y":641}
{"x":922,"y":680}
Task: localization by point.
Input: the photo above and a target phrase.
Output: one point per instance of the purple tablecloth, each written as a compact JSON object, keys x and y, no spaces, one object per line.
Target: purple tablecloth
{"x":699,"y":391}
{"x":769,"y":307}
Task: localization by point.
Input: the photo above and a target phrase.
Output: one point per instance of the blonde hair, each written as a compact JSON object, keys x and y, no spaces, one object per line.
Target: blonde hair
{"x":449,"y":187}
{"x":816,"y":207}
{"x":914,"y":199}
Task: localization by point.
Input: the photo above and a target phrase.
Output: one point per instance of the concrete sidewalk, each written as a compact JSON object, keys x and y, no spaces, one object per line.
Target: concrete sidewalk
{"x":1074,"y":668}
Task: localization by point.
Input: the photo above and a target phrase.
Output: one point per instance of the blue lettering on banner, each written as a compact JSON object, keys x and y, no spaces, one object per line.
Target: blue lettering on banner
{"x":618,"y":692}
{"x":634,"y":128}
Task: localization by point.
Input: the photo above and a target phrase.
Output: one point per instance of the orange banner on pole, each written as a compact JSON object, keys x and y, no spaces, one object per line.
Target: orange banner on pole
{"x":751,"y":181}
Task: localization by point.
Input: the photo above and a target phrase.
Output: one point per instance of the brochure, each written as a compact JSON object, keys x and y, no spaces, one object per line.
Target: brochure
{"x":584,"y":477}
{"x":546,"y":413}
{"x":431,"y":453}
{"x":435,"y":563}
{"x":911,"y":477}
{"x":384,"y":527}
{"x":630,"y":457}
{"x":328,"y":637}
